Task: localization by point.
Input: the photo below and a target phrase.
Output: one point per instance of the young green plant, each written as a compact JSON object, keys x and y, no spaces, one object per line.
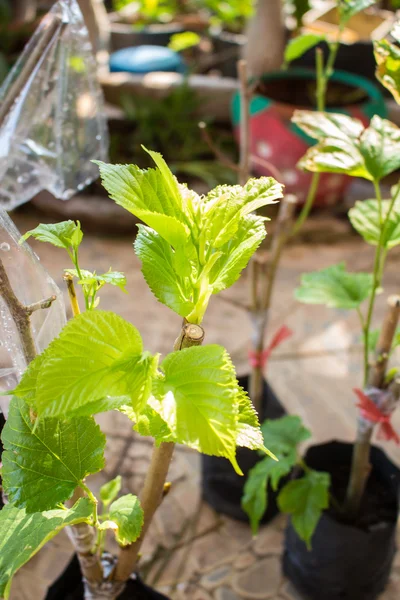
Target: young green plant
{"x":191,"y":247}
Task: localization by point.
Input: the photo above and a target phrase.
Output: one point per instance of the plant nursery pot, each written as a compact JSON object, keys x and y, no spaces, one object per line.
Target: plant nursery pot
{"x":356,"y":53}
{"x":227,"y":46}
{"x":124,"y":35}
{"x":347,"y":561}
{"x":222,"y":488}
{"x":274,"y":138}
{"x":69,"y":586}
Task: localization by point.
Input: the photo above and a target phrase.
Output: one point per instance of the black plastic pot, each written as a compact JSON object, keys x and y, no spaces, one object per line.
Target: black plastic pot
{"x":228,"y":46}
{"x":69,"y":586}
{"x":222,"y":488}
{"x":347,"y":561}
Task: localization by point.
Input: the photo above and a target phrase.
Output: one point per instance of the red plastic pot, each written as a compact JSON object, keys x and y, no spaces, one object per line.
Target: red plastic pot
{"x":274,"y":138}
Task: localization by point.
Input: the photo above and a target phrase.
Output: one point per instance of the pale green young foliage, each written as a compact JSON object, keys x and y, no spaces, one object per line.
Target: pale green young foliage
{"x":364,"y":217}
{"x":198,"y":396}
{"x":110,"y":490}
{"x":282,"y":436}
{"x":67,"y":235}
{"x":304,"y":500}
{"x":345,"y":146}
{"x":127,"y":514}
{"x":299,"y":45}
{"x":387,"y":58}
{"x":22,"y":535}
{"x":97,"y":354}
{"x":335,"y":287}
{"x":44,"y":462}
{"x":90,"y":279}
{"x":193,"y":246}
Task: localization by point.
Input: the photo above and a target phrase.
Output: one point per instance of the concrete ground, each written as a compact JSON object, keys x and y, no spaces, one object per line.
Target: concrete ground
{"x":191,"y":552}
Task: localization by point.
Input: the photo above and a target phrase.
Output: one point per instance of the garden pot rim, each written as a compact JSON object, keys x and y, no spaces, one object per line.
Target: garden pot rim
{"x":339,"y":76}
{"x":216,"y":31}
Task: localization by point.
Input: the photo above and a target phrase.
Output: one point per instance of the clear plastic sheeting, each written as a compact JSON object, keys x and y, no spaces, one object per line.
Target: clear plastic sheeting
{"x":31,"y":283}
{"x":52,"y":119}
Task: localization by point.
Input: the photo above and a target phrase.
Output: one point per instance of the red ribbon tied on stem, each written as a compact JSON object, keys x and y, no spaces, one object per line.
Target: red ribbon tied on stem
{"x":371,"y":412}
{"x":259,"y":359}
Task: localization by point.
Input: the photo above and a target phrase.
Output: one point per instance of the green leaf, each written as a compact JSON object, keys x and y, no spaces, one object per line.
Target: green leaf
{"x":349,"y":8}
{"x":305,"y":499}
{"x":335,"y":287}
{"x":127,"y":513}
{"x":380,"y":148}
{"x":299,"y":45}
{"x":151,"y":195}
{"x":97,"y":354}
{"x":284,"y":435}
{"x":364,"y":217}
{"x":255,"y":497}
{"x":226,"y":206}
{"x":67,"y":234}
{"x":90,"y":278}
{"x":158,"y":270}
{"x":182,"y":41}
{"x":249,"y":434}
{"x":387,"y":58}
{"x":237,"y":252}
{"x":44,"y":462}
{"x":110,"y":490}
{"x":22,"y":535}
{"x":197,"y":397}
{"x":149,"y":424}
{"x":344,"y":146}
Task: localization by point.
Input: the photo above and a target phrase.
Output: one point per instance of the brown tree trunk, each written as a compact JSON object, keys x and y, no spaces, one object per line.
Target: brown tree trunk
{"x":265,"y":38}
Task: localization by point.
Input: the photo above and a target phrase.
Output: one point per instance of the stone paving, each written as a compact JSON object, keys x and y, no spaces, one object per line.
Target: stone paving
{"x":191,"y":553}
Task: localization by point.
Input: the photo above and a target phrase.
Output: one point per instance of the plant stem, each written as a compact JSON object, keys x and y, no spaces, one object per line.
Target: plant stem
{"x":82,"y":535}
{"x":261,"y":305}
{"x":323,"y":77}
{"x":69,"y":280}
{"x":244,"y":163}
{"x":360,"y":467}
{"x":153,"y":489}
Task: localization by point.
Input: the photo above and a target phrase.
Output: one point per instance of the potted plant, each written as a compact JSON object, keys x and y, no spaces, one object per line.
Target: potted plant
{"x":227,"y":24}
{"x":344,"y":502}
{"x":222,"y":488}
{"x":276,"y":138}
{"x":147,"y":22}
{"x":190,"y":248}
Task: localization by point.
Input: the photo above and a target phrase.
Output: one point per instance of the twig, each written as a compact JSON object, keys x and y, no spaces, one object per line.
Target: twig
{"x":20,"y":315}
{"x":69,"y":280}
{"x":360,"y":467}
{"x":244,"y":162}
{"x":275,"y":172}
{"x":31,"y":308}
{"x":259,"y":316}
{"x":225,"y":160}
{"x":152,"y":493}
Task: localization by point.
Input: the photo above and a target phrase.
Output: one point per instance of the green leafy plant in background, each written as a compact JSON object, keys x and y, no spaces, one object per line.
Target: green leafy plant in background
{"x":191,"y":247}
{"x":230,"y":15}
{"x":343,"y":145}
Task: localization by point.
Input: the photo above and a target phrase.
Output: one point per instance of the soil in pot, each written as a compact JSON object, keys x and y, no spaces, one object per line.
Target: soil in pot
{"x":69,"y":586}
{"x":347,"y":561}
{"x":222,"y":488}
